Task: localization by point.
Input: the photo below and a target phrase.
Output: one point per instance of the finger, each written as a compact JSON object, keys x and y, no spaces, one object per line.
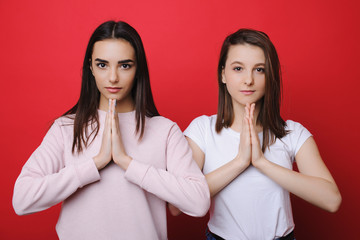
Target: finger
{"x":113,"y":106}
{"x":251,"y":126}
{"x":110,"y":102}
{"x":116,"y":120}
{"x":252,"y":109}
{"x":108,"y":115}
{"x":254,"y":137}
{"x":110,"y":106}
{"x":115,"y":125}
{"x":107,"y":122}
{"x":247,"y":110}
{"x":113,"y":121}
{"x":244,"y":123}
{"x":112,"y":114}
{"x":252,"y":105}
{"x":247,"y":130}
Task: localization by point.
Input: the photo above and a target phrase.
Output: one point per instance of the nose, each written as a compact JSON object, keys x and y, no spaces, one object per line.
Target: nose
{"x":249,"y":79}
{"x":113,"y":78}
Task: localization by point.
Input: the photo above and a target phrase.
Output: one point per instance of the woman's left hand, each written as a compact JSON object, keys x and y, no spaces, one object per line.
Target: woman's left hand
{"x":118,"y":152}
{"x":257,"y":156}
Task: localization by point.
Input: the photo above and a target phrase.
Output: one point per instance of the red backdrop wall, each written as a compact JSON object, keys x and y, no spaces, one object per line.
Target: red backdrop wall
{"x":42,"y":45}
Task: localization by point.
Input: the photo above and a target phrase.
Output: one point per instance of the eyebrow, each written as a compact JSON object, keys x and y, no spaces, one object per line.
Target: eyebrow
{"x":119,"y":62}
{"x":237,"y":62}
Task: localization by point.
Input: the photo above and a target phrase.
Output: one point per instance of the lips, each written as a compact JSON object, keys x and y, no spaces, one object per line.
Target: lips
{"x":113,"y":89}
{"x":247,"y":92}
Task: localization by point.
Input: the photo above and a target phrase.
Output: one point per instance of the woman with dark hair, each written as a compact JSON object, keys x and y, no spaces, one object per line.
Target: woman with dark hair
{"x":111,"y":159}
{"x":247,"y":150}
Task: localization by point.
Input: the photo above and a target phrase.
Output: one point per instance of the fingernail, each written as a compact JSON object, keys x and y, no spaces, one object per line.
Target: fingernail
{"x":113,"y":106}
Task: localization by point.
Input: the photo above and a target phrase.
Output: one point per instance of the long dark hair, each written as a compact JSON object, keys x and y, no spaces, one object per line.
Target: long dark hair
{"x":85,"y":110}
{"x":269,"y":116}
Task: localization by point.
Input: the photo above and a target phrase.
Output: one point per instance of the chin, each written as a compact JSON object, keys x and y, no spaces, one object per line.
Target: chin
{"x":113,"y":96}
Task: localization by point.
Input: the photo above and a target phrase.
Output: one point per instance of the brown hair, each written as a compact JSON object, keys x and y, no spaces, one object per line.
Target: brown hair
{"x":85,"y":110}
{"x":269,"y":116}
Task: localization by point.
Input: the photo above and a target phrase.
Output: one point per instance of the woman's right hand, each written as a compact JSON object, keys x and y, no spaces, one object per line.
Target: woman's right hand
{"x":104,"y":156}
{"x":244,"y":153}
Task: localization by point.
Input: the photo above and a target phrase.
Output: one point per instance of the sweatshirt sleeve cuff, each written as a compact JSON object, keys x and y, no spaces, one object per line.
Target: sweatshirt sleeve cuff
{"x":136,"y":172}
{"x":87,"y":172}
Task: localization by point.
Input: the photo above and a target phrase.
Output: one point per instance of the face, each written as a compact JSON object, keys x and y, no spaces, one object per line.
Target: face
{"x":113,"y":65}
{"x":244,"y":74}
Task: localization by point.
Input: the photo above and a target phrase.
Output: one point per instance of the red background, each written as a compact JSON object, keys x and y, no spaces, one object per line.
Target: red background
{"x":42,"y":46}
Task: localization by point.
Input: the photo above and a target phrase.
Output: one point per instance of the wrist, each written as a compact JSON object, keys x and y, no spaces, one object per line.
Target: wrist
{"x":240,"y":163}
{"x":260,"y":163}
{"x":98,"y":163}
{"x":123,"y":161}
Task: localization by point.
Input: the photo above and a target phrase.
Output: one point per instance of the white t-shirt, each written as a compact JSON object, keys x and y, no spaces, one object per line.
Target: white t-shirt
{"x":252,"y":206}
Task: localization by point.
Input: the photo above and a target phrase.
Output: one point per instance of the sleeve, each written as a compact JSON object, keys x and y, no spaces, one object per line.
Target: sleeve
{"x":45,"y":181}
{"x":298,"y":135}
{"x":197,"y":130}
{"x":182,"y":184}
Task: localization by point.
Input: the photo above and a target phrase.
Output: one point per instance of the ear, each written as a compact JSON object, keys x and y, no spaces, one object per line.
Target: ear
{"x":91,"y":67}
{"x":223,"y":79}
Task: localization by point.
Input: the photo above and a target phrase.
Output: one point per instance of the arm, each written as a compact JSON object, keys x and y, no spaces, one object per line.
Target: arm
{"x":217,"y":179}
{"x":314,"y":183}
{"x":221,"y":177}
{"x":182,"y":184}
{"x":224,"y":175}
{"x":45,"y":180}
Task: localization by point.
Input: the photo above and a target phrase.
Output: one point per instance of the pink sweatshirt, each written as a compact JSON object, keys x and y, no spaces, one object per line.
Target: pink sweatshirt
{"x":113,"y":203}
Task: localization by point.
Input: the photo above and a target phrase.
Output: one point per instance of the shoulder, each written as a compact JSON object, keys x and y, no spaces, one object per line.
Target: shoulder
{"x":297,"y":135}
{"x":294,"y":127}
{"x":161,"y":126}
{"x":204,"y":121}
{"x":159,"y":121}
{"x":159,"y":129}
{"x":67,"y":119}
{"x":60,"y":129}
{"x":201,"y":127}
{"x":64,"y":123}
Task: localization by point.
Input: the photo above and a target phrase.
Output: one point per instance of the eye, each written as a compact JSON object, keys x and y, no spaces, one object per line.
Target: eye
{"x":260,"y":70}
{"x":238,"y":69}
{"x":125,"y":66}
{"x":101,"y":65}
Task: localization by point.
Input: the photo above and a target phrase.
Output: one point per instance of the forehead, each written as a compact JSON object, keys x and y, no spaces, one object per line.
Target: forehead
{"x":245,"y":53}
{"x":113,"y":49}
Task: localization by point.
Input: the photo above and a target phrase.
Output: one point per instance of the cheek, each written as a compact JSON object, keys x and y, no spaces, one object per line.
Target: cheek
{"x":99,"y":80}
{"x":231,"y":88}
{"x":229,"y":77}
{"x":260,"y":81}
{"x":128,"y":77}
{"x":101,"y":75}
{"x":232,"y":81}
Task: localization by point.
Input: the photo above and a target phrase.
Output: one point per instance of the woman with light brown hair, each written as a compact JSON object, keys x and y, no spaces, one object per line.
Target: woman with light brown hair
{"x":247,"y":150}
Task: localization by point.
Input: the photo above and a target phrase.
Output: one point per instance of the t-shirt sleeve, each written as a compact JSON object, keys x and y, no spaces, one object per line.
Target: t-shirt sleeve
{"x":298,"y":135}
{"x":197,"y":130}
